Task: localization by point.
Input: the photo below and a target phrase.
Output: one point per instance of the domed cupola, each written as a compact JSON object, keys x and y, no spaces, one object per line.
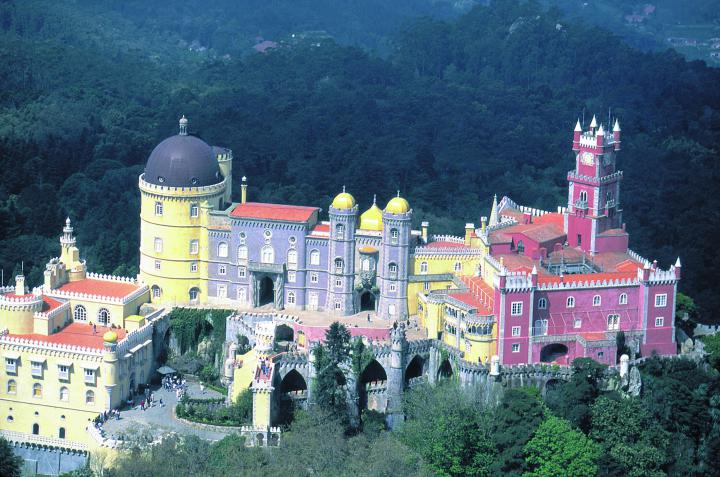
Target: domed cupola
{"x":371,"y":219}
{"x":343,"y":200}
{"x":397,"y":205}
{"x":182,"y":161}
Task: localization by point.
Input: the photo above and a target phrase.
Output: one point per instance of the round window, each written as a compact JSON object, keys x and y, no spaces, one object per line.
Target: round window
{"x":268,"y":234}
{"x":292,"y":239}
{"x":161,"y":179}
{"x":10,"y":419}
{"x":194,"y":180}
{"x":242,"y":235}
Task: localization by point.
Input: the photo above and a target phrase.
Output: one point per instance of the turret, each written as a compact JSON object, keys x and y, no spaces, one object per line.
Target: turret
{"x":341,"y":286}
{"x":576,"y":136}
{"x":243,"y":190}
{"x":469,"y":230}
{"x":110,"y":364}
{"x":593,"y":124}
{"x":534,"y":276}
{"x":600,"y":137}
{"x":616,"y":135}
{"x":394,"y":259}
{"x":225,"y":159}
{"x":20,"y":285}
{"x":678,"y":269}
{"x":395,"y":383}
{"x":424,"y":228}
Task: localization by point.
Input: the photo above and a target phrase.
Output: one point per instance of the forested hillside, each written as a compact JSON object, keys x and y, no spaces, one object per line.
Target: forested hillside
{"x":459,"y":110}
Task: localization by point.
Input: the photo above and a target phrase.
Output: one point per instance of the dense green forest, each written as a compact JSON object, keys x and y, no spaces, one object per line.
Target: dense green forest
{"x":458,"y":110}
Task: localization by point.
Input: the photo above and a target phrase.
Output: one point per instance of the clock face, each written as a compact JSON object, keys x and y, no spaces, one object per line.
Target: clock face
{"x":587,"y":158}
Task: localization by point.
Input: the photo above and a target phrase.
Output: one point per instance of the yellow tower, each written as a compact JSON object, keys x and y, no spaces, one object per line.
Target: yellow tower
{"x":182,"y":182}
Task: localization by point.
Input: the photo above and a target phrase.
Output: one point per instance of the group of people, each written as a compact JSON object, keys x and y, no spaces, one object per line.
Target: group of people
{"x":105,"y":416}
{"x":175,"y":383}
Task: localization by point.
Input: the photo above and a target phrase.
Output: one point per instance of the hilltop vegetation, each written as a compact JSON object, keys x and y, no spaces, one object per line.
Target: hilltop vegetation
{"x":460,"y":109}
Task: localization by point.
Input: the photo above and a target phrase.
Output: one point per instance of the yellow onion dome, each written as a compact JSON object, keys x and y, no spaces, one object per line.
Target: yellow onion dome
{"x":397,"y":205}
{"x":343,"y":200}
{"x":371,"y":219}
{"x":110,"y":337}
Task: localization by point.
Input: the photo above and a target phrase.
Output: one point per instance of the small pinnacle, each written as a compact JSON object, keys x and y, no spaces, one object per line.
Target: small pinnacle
{"x":601,"y":131}
{"x":343,"y":189}
{"x":374,"y":198}
{"x":616,"y":127}
{"x":534,"y":270}
{"x":578,"y":128}
{"x":593,"y":123}
{"x":677,"y":263}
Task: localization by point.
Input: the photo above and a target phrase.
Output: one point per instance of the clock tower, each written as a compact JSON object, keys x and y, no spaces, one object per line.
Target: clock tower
{"x":593,"y":221}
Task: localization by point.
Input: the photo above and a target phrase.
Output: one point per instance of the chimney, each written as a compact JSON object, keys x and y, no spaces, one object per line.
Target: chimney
{"x":424,"y":227}
{"x":243,"y":190}
{"x":483,"y":224}
{"x":20,"y":285}
{"x":469,"y":229}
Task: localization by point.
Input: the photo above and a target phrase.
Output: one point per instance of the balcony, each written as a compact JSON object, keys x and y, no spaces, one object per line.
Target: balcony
{"x":610,"y":204}
{"x":11,"y":366}
{"x":581,"y":204}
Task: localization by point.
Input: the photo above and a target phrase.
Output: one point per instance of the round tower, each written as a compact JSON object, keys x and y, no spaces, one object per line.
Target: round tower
{"x":181,"y":183}
{"x":394,"y":259}
{"x":109,"y":367}
{"x":17,"y":308}
{"x":341,"y":259}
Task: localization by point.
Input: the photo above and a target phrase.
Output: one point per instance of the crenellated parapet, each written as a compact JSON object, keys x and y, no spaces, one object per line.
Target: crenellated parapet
{"x":181,"y":193}
{"x":619,"y":282}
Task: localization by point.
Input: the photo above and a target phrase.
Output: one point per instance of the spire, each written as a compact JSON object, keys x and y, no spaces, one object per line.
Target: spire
{"x":183,"y":125}
{"x":616,"y":127}
{"x":534,"y":270}
{"x":578,"y":128}
{"x":343,"y":188}
{"x":593,"y":123}
{"x":601,"y":131}
{"x":374,"y":199}
{"x":494,"y":220}
{"x":677,"y":263}
{"x":398,"y":193}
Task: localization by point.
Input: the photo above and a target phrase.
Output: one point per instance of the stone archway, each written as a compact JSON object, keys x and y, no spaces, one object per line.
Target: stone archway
{"x":373,"y":376}
{"x":554,"y":352}
{"x":367,"y":301}
{"x":415,"y":369}
{"x":267,"y":291}
{"x":293,"y":393}
{"x":445,"y":371}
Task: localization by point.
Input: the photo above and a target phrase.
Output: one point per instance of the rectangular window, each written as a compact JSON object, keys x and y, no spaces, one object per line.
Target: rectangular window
{"x":222,"y":291}
{"x":313,"y":278}
{"x":338,"y":305}
{"x":157,"y":264}
{"x":242,"y":272}
{"x":660,"y":300}
{"x":291,"y":276}
{"x":194,"y":247}
{"x":515,"y":331}
{"x":516,"y":308}
{"x":89,"y":376}
{"x":194,"y":210}
{"x":613,"y":322}
{"x":36,"y":368}
{"x":158,"y":208}
{"x":659,"y":321}
{"x":393,"y":287}
{"x":578,"y":323}
{"x":158,"y":244}
{"x":222,"y":270}
{"x":579,"y":242}
{"x":63,"y":372}
{"x":338,"y":282}
{"x":193,"y":267}
{"x":516,"y":348}
{"x":10,"y":365}
{"x":426,"y":286}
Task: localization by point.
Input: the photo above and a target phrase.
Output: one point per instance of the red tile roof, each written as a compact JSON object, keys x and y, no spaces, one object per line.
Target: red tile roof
{"x":542,"y":229}
{"x":92,"y":286}
{"x":286,"y":213}
{"x":50,"y":304}
{"x":76,"y":334}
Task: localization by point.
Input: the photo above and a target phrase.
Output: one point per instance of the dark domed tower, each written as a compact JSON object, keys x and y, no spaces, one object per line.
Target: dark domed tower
{"x":181,"y":183}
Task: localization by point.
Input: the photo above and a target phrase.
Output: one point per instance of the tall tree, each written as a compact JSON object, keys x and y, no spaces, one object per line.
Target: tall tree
{"x":10,"y":464}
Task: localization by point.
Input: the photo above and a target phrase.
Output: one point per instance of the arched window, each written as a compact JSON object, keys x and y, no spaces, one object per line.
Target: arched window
{"x":338,"y":265}
{"x":194,"y":294}
{"x":194,"y":247}
{"x":267,"y":255}
{"x":12,"y":387}
{"x":156,"y":292}
{"x":570,"y":302}
{"x":315,"y":257}
{"x":623,"y":299}
{"x":194,"y":210}
{"x":64,"y":394}
{"x":292,"y":257}
{"x":36,"y":428}
{"x":222,"y":249}
{"x":520,"y":247}
{"x":458,"y":266}
{"x":61,"y":433}
{"x":423,"y":267}
{"x":79,"y":313}
{"x":394,"y":234}
{"x":542,"y":303}
{"x":340,"y":231}
{"x":596,"y":300}
{"x":103,"y":316}
{"x":37,"y":390}
{"x":291,"y":298}
{"x":158,"y":245}
{"x":90,"y":397}
{"x":366,"y":265}
{"x":242,"y":252}
{"x":583,"y":196}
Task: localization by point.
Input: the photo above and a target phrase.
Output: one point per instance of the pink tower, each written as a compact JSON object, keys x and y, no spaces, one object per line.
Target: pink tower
{"x":593,"y":220}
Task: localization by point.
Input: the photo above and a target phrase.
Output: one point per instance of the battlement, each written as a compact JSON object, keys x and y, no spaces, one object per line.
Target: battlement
{"x":112,"y":278}
{"x":574,"y":176}
{"x":182,"y":191}
{"x":447,"y":238}
{"x":574,"y":285}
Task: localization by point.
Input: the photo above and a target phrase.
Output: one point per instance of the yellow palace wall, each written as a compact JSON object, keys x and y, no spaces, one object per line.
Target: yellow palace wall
{"x":176,"y":228}
{"x":21,"y":409}
{"x":118,"y":311}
